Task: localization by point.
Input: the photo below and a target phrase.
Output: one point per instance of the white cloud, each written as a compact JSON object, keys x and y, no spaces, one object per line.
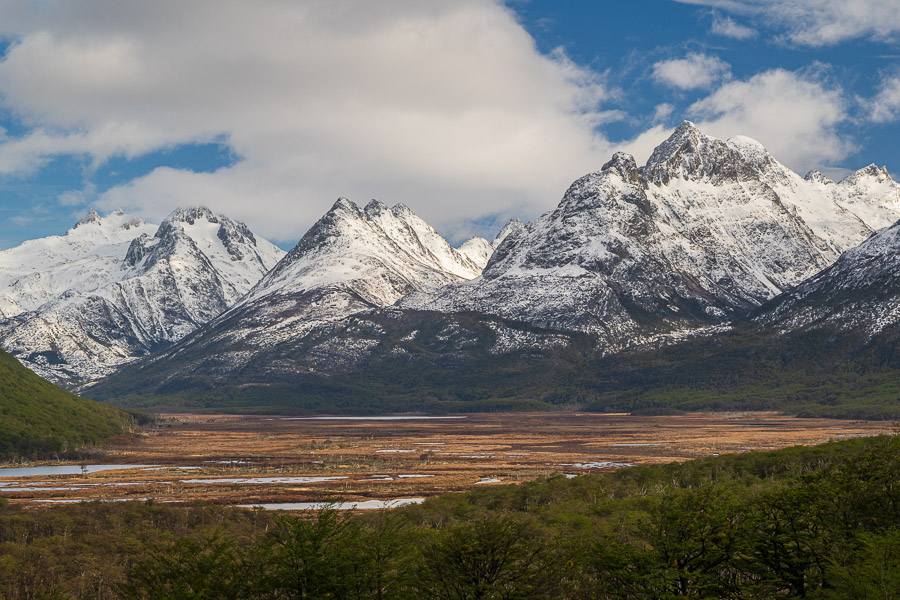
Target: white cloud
{"x":642,"y":146}
{"x":692,"y":72}
{"x":78,"y":197}
{"x":663,"y":111}
{"x":819,"y":22}
{"x":447,"y":107}
{"x":728,"y":27}
{"x":793,"y":114}
{"x":885,"y":106}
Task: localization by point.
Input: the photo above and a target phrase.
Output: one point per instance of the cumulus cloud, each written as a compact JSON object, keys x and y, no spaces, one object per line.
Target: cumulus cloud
{"x":663,"y":111}
{"x":78,"y":197}
{"x":795,"y":114}
{"x":818,"y":23}
{"x":885,"y":106}
{"x":728,"y":27}
{"x":447,"y":107}
{"x":692,"y":72}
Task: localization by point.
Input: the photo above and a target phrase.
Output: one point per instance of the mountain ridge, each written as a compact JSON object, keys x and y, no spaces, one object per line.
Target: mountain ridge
{"x":152,"y":290}
{"x":631,"y":260}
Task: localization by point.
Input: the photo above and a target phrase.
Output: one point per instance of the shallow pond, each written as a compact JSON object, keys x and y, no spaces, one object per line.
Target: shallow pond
{"x":382,"y":418}
{"x":364,"y":505}
{"x":63,"y":470}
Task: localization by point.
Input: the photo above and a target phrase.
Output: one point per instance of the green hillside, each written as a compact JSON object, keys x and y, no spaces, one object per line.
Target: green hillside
{"x":38,"y":419}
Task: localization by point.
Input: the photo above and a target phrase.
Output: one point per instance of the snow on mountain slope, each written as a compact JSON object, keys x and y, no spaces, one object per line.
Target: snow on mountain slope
{"x":379,"y":253}
{"x":353,"y":259}
{"x":150,"y":292}
{"x":705,"y":230}
{"x":478,"y":250}
{"x":512,"y":226}
{"x":857,"y":293}
{"x":86,"y":258}
{"x":872,"y":195}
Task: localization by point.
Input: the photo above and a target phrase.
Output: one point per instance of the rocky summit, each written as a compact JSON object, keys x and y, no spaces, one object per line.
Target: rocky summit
{"x":707,"y":234}
{"x":705,"y":231}
{"x":114,"y":289}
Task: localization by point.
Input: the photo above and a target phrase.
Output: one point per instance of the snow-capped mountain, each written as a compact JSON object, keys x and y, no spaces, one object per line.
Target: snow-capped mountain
{"x":512,"y":226}
{"x":373,"y":256}
{"x":353,"y":259}
{"x":88,"y":257}
{"x":479,"y":250}
{"x":870,"y":194}
{"x":706,"y":230}
{"x":857,"y":293}
{"x":109,"y":292}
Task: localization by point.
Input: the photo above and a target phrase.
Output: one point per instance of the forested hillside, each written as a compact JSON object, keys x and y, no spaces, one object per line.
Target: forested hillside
{"x":803,"y":522}
{"x":38,"y":419}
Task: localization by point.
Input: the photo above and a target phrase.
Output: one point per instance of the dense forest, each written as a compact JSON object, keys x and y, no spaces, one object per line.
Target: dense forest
{"x":803,"y":522}
{"x":39,"y":419}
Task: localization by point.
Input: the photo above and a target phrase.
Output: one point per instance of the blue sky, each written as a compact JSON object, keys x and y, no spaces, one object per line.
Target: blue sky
{"x":469,"y":112}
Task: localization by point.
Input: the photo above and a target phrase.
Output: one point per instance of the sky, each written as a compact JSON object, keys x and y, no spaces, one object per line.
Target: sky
{"x":469,"y":112}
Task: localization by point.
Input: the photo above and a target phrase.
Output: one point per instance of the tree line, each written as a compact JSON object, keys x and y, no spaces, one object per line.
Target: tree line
{"x":818,"y":522}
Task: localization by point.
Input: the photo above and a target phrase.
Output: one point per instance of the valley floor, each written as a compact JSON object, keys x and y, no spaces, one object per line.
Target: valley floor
{"x":253,"y":460}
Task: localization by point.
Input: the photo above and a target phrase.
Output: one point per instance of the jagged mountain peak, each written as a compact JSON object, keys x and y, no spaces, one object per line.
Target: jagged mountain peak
{"x":691,"y":155}
{"x":191,"y":214}
{"x":350,"y":244}
{"x":685,"y":137}
{"x":512,"y":226}
{"x":818,"y":177}
{"x":754,"y":153}
{"x":625,"y":165}
{"x":91,"y":217}
{"x":686,"y":132}
{"x":871,"y":172}
{"x":92,"y":223}
{"x":401,"y":210}
{"x":607,"y":193}
{"x":343,"y":204}
{"x":201,"y":232}
{"x":106,"y":293}
{"x":375,"y":207}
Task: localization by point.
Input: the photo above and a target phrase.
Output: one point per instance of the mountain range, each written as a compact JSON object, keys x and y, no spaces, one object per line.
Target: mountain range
{"x":113,"y":289}
{"x":709,"y":238}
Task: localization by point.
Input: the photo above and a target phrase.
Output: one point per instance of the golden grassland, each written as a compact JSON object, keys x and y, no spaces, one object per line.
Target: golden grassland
{"x":195,"y":456}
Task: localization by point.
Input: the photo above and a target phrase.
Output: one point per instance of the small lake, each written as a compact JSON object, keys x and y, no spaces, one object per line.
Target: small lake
{"x":383,"y":418}
{"x":365,"y":505}
{"x":260,"y":480}
{"x":63,"y":470}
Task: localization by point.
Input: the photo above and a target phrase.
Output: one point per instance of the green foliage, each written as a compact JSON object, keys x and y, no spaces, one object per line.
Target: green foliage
{"x":488,"y":559}
{"x":872,"y":571}
{"x":208,"y":569}
{"x":305,"y":554}
{"x":820,"y":522}
{"x":39,"y":419}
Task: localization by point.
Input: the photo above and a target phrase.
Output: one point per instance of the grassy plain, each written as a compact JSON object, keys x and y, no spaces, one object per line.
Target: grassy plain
{"x":230,"y":459}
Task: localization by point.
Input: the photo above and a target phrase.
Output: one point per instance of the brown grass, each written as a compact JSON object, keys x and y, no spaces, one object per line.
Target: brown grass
{"x":456,"y":453}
